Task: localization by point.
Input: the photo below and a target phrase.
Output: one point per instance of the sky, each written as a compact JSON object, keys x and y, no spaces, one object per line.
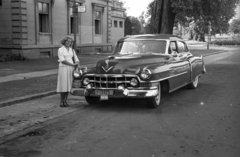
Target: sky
{"x":136,"y":7}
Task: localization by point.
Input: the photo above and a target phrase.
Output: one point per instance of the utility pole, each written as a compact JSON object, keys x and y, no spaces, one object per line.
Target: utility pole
{"x":209,"y":34}
{"x":75,"y":13}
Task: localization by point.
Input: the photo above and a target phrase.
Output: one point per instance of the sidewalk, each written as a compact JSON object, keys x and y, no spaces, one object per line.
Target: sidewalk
{"x":22,"y":118}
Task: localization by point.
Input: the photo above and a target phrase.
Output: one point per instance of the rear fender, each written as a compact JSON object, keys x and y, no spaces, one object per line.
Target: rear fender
{"x":197,"y":66}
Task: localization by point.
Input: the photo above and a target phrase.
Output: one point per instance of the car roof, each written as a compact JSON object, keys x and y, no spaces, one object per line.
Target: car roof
{"x":152,"y":36}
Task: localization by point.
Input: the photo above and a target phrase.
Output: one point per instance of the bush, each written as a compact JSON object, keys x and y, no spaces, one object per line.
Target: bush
{"x":12,"y":57}
{"x":226,"y":42}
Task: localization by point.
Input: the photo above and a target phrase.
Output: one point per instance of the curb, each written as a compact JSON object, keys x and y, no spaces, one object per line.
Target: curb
{"x":215,"y":53}
{"x":26,"y":98}
{"x":24,"y":130}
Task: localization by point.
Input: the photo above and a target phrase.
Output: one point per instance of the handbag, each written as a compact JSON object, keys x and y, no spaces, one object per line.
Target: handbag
{"x":73,"y":56}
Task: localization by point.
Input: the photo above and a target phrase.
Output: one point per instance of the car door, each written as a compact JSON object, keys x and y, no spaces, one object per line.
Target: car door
{"x":180,"y":67}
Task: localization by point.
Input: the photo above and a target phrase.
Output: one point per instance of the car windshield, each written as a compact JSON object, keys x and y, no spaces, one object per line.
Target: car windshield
{"x":141,"y":46}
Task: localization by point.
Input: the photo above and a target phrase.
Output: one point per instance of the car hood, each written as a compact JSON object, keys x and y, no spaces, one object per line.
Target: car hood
{"x":127,"y":64}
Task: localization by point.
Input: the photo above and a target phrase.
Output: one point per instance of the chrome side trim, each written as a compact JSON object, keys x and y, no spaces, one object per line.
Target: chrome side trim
{"x":168,"y":77}
{"x":182,"y":85}
{"x":178,"y":87}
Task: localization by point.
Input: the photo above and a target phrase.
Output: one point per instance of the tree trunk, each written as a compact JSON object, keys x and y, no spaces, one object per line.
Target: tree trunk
{"x":167,"y":17}
{"x":161,"y":12}
{"x":202,"y":37}
{"x":163,"y":17}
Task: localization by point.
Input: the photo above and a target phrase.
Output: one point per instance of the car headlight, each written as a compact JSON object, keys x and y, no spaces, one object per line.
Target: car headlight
{"x":134,"y":82}
{"x":77,"y":73}
{"x":85,"y":70}
{"x":146,"y":73}
{"x":86,"y":81}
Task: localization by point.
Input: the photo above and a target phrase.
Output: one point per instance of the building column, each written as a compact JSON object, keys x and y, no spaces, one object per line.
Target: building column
{"x":109,"y":23}
{"x":19,"y":22}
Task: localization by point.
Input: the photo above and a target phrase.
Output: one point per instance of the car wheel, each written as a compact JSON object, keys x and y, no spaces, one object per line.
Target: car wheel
{"x":155,"y":101}
{"x":193,"y":84}
{"x":92,"y":100}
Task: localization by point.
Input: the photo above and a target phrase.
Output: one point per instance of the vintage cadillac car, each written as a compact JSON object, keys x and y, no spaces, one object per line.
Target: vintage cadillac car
{"x":141,"y":66}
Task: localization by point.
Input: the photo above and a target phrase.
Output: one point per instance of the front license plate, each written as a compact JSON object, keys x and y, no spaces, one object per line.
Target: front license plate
{"x":104,"y":92}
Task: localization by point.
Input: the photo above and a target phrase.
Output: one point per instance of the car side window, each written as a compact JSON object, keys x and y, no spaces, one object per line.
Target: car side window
{"x":173,"y":46}
{"x":182,"y":47}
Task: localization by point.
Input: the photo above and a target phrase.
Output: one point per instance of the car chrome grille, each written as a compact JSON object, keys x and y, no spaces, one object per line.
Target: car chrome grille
{"x":110,"y":81}
{"x":145,"y":85}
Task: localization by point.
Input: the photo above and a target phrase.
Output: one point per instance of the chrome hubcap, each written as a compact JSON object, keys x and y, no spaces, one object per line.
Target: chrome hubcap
{"x":157,"y":98}
{"x":195,"y":82}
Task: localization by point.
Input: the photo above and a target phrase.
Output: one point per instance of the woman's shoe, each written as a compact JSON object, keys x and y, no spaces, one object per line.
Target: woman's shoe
{"x":66,"y":104}
{"x":62,"y":104}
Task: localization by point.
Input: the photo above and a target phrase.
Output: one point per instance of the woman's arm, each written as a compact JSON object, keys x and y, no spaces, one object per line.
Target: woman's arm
{"x":68,"y":63}
{"x":62,"y":58}
{"x":76,"y":58}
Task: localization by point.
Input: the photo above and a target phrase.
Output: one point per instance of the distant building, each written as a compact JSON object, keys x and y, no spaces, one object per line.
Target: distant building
{"x":34,"y":28}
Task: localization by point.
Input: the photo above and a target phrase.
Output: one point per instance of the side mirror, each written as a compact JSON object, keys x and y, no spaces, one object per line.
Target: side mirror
{"x":174,"y":53}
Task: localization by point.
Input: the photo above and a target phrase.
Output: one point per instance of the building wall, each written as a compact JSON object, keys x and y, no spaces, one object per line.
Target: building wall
{"x":59,"y":21}
{"x":5,"y":23}
{"x":87,"y":24}
{"x":31,"y":23}
{"x":117,"y":32}
{"x":19,"y":29}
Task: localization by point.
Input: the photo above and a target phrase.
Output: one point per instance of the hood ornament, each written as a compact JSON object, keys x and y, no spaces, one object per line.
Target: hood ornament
{"x":106,"y":68}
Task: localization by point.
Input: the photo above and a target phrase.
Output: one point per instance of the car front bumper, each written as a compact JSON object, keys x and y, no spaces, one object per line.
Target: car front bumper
{"x":117,"y":93}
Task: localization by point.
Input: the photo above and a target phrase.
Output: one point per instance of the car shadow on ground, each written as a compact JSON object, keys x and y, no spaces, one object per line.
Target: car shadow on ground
{"x":184,"y":97}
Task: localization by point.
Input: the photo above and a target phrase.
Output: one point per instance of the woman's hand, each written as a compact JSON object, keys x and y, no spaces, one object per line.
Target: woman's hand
{"x":75,"y":65}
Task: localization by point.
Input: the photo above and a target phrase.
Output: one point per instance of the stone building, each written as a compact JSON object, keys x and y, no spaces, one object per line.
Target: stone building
{"x":34,"y":28}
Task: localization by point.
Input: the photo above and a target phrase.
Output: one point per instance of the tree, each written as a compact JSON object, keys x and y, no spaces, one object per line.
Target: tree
{"x":136,"y":26}
{"x":164,"y":13}
{"x":132,"y":26}
{"x":142,"y":22}
{"x":127,"y":26}
{"x":235,"y":26}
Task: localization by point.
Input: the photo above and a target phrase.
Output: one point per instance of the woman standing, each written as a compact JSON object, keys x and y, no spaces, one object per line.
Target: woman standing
{"x":65,"y":70}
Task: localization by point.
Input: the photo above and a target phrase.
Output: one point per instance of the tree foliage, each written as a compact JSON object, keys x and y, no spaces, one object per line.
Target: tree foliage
{"x":235,"y":26}
{"x":132,"y":26}
{"x":164,"y":13}
{"x":127,"y":26}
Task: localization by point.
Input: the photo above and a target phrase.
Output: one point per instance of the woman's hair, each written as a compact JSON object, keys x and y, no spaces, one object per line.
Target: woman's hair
{"x":63,"y":41}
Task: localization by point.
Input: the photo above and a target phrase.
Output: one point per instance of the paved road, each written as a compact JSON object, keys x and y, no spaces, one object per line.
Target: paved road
{"x":190,"y":123}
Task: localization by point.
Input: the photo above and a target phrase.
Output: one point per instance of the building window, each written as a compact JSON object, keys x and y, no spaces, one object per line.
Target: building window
{"x":121,"y":24}
{"x":97,"y":19}
{"x":115,"y":24}
{"x":71,"y":20}
{"x":43,"y":12}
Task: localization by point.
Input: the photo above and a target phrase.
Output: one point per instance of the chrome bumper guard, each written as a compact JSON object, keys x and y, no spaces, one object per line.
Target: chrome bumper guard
{"x":118,"y":93}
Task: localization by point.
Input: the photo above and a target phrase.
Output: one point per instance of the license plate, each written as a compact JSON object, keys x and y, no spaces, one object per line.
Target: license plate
{"x":76,"y":83}
{"x":104,"y":92}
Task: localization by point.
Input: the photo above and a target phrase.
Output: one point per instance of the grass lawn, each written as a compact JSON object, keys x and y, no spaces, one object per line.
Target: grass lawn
{"x":19,"y":88}
{"x":40,"y":64}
